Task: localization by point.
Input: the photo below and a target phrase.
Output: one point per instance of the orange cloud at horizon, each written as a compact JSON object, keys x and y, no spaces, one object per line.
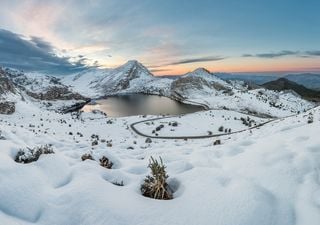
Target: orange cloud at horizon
{"x":238,"y":65}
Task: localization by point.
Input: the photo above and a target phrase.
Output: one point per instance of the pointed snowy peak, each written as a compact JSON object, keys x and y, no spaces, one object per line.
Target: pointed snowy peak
{"x":134,"y":65}
{"x":205,"y":74}
{"x":201,"y":71}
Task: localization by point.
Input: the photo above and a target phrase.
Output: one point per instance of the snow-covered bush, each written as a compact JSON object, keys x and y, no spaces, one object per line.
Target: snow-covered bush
{"x":29,"y":155}
{"x":86,"y":156}
{"x":155,"y":185}
{"x":105,"y":162}
{"x":310,"y":118}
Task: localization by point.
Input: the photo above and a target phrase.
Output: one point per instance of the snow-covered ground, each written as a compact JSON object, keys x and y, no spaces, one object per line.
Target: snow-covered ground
{"x":269,"y":175}
{"x":259,"y":101}
{"x":204,"y":123}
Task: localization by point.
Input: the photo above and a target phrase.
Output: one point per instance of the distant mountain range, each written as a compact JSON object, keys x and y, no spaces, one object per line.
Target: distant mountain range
{"x":285,"y":84}
{"x":308,"y":80}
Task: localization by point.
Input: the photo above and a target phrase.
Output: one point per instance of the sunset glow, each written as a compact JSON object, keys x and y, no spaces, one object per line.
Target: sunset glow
{"x":171,"y":40}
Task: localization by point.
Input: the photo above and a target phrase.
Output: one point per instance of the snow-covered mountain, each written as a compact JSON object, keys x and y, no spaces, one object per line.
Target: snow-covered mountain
{"x":40,"y":86}
{"x":199,"y":82}
{"x":47,"y":90}
{"x":197,"y":87}
{"x":131,"y":77}
{"x":201,"y":86}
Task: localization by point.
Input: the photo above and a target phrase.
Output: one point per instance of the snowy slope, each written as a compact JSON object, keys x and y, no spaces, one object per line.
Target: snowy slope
{"x":40,"y":86}
{"x":203,"y":87}
{"x":267,"y":176}
{"x":200,"y":82}
{"x":205,"y":74}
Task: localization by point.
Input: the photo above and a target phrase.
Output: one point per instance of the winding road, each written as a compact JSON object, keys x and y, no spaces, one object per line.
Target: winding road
{"x":132,"y":126}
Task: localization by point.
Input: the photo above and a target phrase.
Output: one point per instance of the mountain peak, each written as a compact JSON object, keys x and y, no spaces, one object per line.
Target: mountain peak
{"x":134,"y":65}
{"x":201,"y":70}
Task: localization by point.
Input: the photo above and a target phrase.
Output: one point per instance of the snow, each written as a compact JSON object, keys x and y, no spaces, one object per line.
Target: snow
{"x":198,"y":124}
{"x":205,"y":74}
{"x":269,"y":175}
{"x":268,"y":103}
{"x":210,"y":90}
{"x":35,"y":82}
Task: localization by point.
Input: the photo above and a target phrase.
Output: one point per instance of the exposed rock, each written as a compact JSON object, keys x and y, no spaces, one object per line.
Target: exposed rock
{"x":56,"y":93}
{"x":6,"y":86}
{"x":7,"y":107}
{"x":40,"y":87}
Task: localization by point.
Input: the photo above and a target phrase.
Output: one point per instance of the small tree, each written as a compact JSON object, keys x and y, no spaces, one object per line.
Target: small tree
{"x":155,"y":186}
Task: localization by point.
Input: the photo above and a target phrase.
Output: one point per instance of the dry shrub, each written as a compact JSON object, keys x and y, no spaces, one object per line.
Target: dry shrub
{"x":156,"y":186}
{"x":86,"y":156}
{"x":105,"y":162}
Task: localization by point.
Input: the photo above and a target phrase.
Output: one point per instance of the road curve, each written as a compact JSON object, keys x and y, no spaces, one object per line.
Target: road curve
{"x":132,"y":126}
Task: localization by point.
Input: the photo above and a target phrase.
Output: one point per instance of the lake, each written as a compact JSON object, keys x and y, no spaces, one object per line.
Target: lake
{"x":140,"y":104}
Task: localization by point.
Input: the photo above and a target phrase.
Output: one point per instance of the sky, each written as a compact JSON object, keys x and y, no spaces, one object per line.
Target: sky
{"x":169,"y":36}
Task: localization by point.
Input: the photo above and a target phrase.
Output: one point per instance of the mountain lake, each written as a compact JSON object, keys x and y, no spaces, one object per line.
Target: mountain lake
{"x":140,"y":104}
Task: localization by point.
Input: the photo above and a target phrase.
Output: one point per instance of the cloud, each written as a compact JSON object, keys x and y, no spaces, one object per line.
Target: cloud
{"x":160,"y":70}
{"x":34,"y":54}
{"x":194,"y":60}
{"x":313,"y":53}
{"x":272,"y":55}
{"x":303,"y":54}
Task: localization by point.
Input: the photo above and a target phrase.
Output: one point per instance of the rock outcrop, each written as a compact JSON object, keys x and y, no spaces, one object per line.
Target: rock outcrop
{"x":7,"y":107}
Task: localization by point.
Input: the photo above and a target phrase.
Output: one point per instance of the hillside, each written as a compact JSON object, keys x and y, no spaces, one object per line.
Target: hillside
{"x":309,"y":80}
{"x":285,"y":84}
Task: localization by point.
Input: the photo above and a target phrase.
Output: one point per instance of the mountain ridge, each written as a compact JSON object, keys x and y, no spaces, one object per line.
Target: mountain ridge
{"x":199,"y":87}
{"x":283,"y":83}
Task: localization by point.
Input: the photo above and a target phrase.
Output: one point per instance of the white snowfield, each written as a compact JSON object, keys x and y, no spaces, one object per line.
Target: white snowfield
{"x":202,"y":123}
{"x":268,"y":103}
{"x":266,"y":176}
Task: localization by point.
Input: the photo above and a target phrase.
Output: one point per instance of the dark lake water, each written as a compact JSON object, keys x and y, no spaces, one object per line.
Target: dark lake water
{"x":139,"y":104}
